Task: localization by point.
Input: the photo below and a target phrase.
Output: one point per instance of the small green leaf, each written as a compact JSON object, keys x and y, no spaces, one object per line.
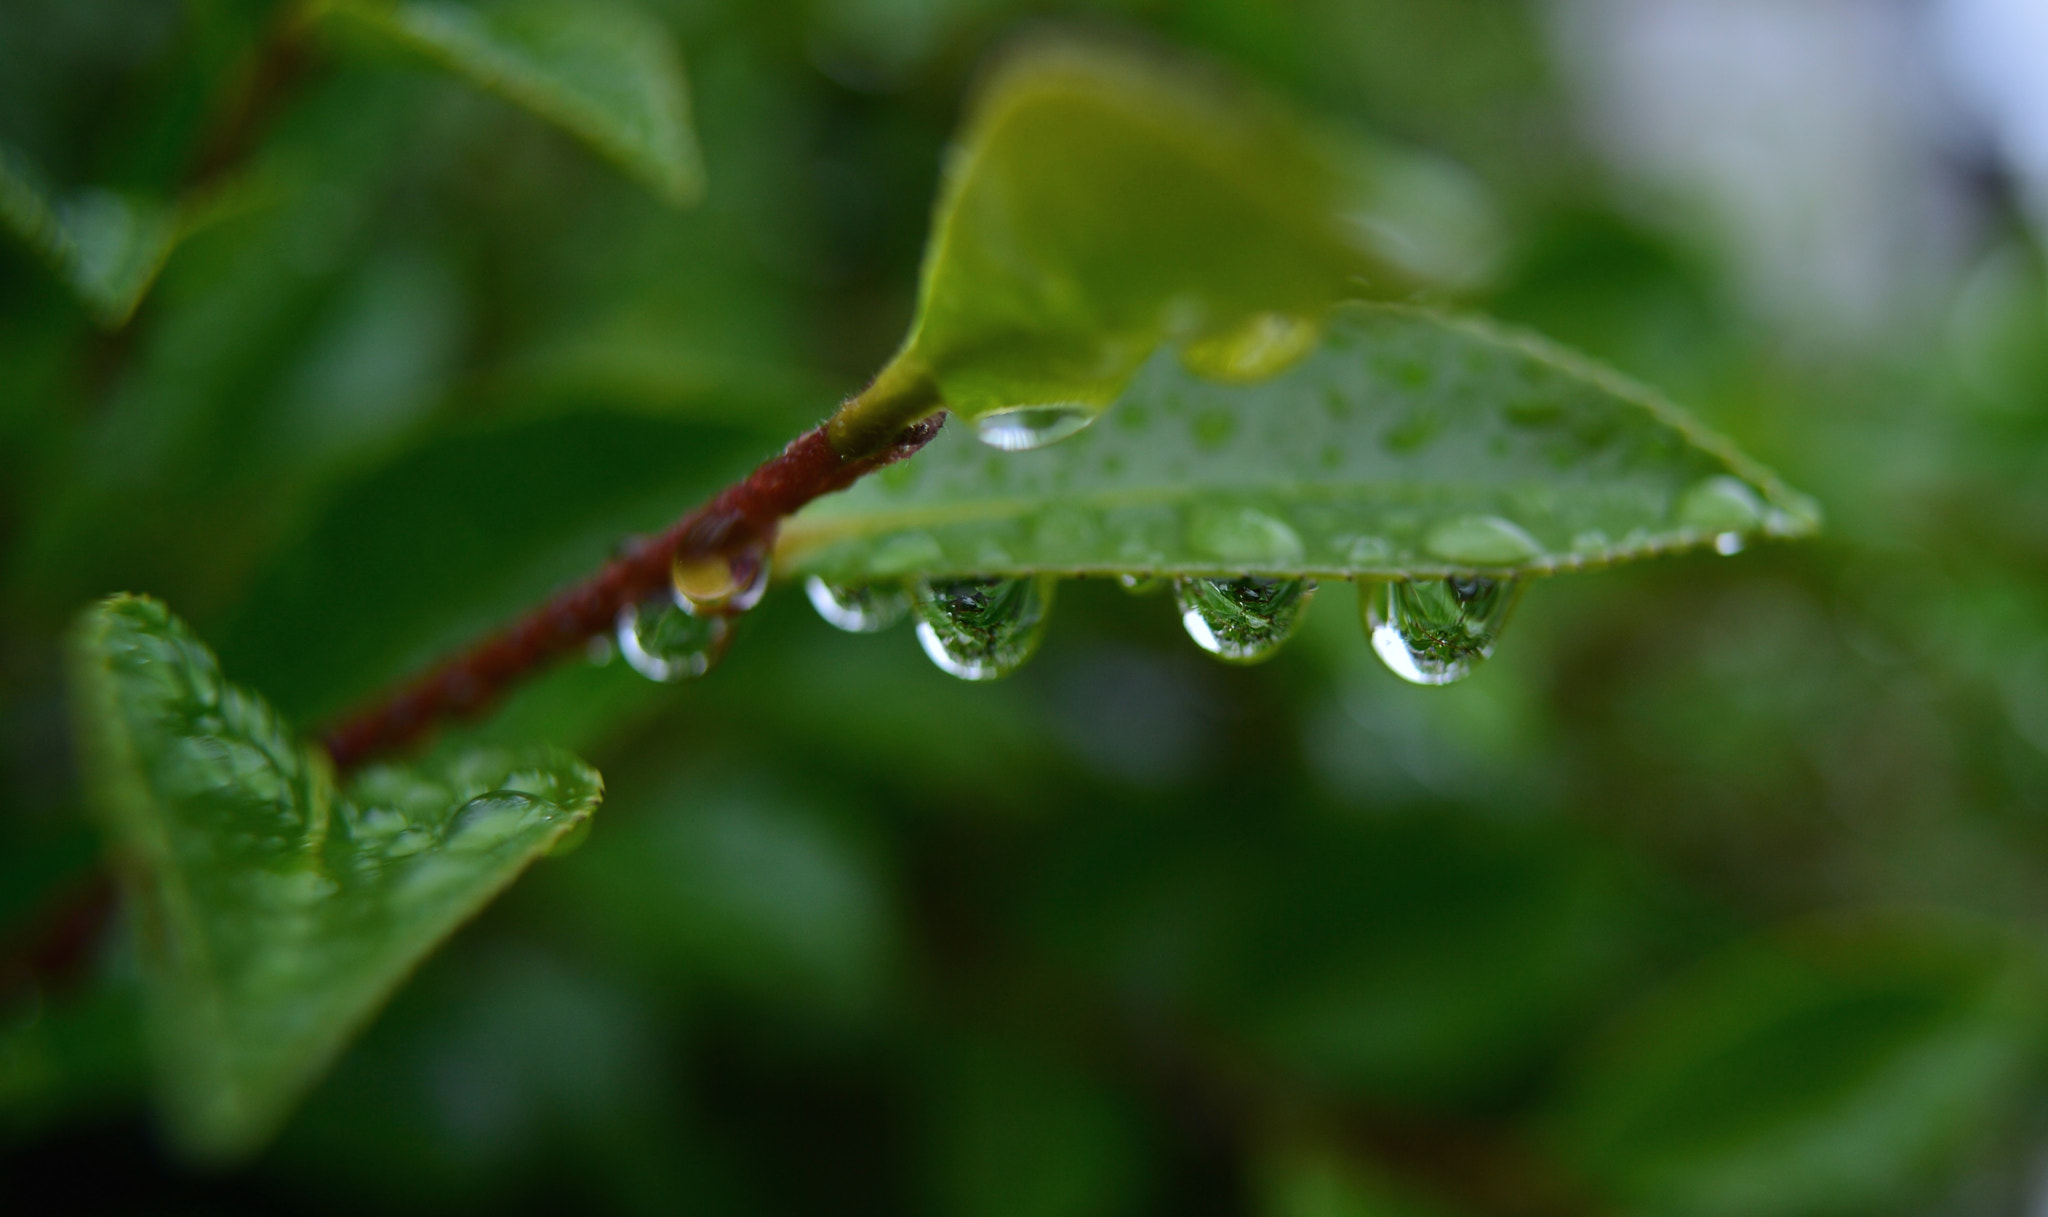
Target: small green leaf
{"x":608,"y":73}
{"x":1829,"y":1071}
{"x":1099,"y":203}
{"x":276,"y":911}
{"x":1406,"y":444}
{"x":106,"y":247}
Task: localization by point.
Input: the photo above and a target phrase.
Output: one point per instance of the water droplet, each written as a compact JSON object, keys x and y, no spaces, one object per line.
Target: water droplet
{"x":1140,"y":585}
{"x":979,"y":629}
{"x":858,"y":608}
{"x":1728,"y":544}
{"x":1366,"y":551}
{"x":1481,"y":541}
{"x":1264,"y":346}
{"x":1026,"y":427}
{"x":1242,"y":620}
{"x":717,"y":584}
{"x":492,"y":819}
{"x":1244,"y":536}
{"x":905,"y":553}
{"x":1432,"y":631}
{"x":1720,"y":504}
{"x":662,"y":642}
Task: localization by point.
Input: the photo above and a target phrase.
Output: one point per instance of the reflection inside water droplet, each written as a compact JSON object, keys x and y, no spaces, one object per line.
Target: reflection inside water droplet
{"x":721,"y":585}
{"x":1242,"y":620}
{"x":1432,"y":631}
{"x":663,"y":642}
{"x":859,"y":608}
{"x":980,"y":629}
{"x":1028,"y":427}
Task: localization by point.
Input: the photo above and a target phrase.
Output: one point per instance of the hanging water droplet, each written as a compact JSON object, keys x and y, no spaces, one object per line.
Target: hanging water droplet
{"x":663,"y":642}
{"x":721,"y":585}
{"x":979,"y":629}
{"x":1242,"y":620}
{"x":1027,"y":427}
{"x":1432,"y":631}
{"x":1140,"y":585}
{"x":1243,"y":535}
{"x":858,"y":608}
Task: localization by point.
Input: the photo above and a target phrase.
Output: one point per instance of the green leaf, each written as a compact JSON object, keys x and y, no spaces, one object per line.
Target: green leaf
{"x":105,"y":246}
{"x":1099,"y":203}
{"x":1832,"y":1070}
{"x":607,"y":73}
{"x":276,"y":911}
{"x":1406,"y":444}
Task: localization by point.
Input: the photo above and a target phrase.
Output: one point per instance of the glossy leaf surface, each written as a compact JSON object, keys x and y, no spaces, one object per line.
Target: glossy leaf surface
{"x":275,"y":911}
{"x":1405,"y":444}
{"x":608,"y":73}
{"x":1101,"y":202}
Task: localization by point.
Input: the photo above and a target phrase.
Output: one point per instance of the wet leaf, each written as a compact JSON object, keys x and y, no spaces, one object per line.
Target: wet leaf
{"x":1828,"y":1071}
{"x":275,"y":910}
{"x":1405,"y":444}
{"x":608,"y":73}
{"x":1100,"y":202}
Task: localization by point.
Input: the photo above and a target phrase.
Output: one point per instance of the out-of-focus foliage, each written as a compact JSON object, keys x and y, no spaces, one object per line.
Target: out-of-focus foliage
{"x":274,"y":912}
{"x":1721,"y":882}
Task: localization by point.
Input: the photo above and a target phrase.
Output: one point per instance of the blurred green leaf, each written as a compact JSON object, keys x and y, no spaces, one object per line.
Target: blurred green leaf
{"x":276,"y":911}
{"x":608,"y":73}
{"x":1833,"y":1071}
{"x":1318,"y":1181}
{"x":1100,"y":202}
{"x":1017,"y":1132}
{"x":107,"y":247}
{"x":1405,"y":444}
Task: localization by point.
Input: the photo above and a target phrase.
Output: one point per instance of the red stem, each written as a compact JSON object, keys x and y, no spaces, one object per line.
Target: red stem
{"x":741,"y":517}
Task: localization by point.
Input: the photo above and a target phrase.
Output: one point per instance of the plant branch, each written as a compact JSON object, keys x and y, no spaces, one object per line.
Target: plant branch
{"x":740,"y":519}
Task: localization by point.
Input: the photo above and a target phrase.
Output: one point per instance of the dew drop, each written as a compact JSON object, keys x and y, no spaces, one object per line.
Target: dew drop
{"x":663,"y":642}
{"x":1244,"y":535}
{"x":858,"y":608}
{"x":1481,"y":541}
{"x":1720,"y":504}
{"x":1264,"y":346}
{"x":1243,"y":620}
{"x":1026,"y":427}
{"x":490,"y":820}
{"x":980,"y":629}
{"x":1728,"y":544}
{"x":717,"y":584}
{"x":1432,"y":631}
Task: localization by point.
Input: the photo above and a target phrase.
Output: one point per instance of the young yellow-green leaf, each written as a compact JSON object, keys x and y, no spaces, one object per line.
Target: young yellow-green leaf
{"x":1405,"y":444}
{"x":1828,"y":1071}
{"x":276,"y":911}
{"x":106,"y":247}
{"x":607,"y":72}
{"x":1099,"y":203}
